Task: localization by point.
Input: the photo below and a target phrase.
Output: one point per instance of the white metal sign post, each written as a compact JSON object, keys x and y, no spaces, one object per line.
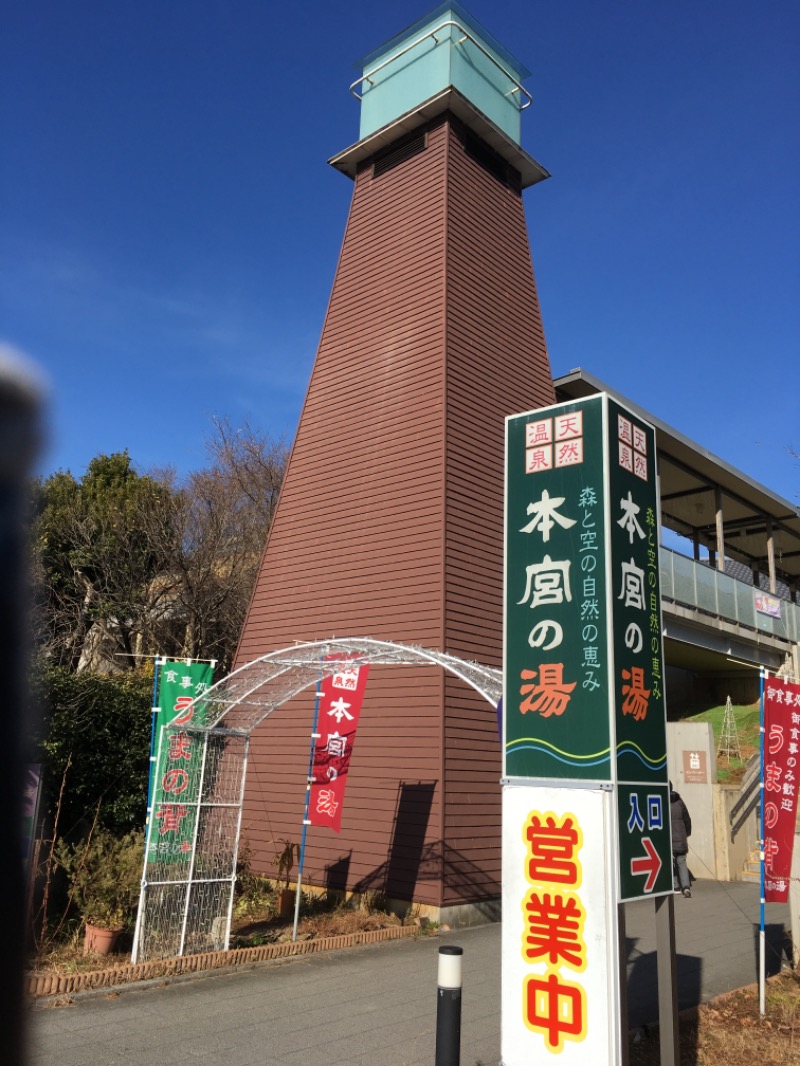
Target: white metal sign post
{"x":585,"y":799}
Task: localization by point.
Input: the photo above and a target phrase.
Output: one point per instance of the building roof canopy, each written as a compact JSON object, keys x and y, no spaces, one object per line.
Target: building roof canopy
{"x":690,"y":477}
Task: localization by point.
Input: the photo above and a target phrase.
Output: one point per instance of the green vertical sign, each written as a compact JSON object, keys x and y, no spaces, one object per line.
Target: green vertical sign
{"x":176,"y":784}
{"x":645,"y":850}
{"x":645,"y":847}
{"x":583,"y":677}
{"x":556,"y":662}
{"x":640,"y":726}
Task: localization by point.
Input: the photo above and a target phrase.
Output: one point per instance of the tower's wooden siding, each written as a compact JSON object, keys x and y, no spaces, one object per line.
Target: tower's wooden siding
{"x":496,"y":365}
{"x":357,"y":542}
{"x":390,"y":524}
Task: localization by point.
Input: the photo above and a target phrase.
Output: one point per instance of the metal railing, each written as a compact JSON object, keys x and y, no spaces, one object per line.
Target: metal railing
{"x":685,"y":581}
{"x":467,"y":36}
{"x":750,"y":795}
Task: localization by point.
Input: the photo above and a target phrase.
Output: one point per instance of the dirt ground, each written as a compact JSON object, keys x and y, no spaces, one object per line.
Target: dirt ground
{"x":729,"y":1031}
{"x":251,"y":932}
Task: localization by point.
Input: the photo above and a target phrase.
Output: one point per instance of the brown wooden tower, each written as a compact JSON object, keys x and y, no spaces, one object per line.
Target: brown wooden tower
{"x":389,"y":524}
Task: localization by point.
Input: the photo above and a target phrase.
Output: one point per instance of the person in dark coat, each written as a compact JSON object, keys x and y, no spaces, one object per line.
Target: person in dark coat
{"x":681,"y":831}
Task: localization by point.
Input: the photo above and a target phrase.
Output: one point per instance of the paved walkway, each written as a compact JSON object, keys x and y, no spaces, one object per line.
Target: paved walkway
{"x":376,"y":1005}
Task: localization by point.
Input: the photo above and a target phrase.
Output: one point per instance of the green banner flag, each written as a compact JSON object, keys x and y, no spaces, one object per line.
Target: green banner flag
{"x":179,"y":760}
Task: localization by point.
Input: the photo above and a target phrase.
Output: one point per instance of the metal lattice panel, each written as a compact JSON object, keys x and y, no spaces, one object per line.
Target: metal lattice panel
{"x":186,"y":900}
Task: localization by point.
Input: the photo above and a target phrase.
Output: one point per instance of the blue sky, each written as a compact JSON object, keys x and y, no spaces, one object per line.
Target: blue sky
{"x":170,"y":227}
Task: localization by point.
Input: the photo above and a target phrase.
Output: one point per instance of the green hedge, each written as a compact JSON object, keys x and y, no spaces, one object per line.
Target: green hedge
{"x":103,"y":724}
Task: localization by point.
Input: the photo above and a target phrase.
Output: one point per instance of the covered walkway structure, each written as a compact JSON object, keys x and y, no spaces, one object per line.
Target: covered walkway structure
{"x":731,"y":598}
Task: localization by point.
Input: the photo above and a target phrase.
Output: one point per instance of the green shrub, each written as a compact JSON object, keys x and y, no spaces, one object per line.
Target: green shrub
{"x":104,"y":874}
{"x":97,"y":730}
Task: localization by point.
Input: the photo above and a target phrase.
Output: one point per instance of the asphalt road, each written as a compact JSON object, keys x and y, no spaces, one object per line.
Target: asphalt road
{"x":376,"y":1005}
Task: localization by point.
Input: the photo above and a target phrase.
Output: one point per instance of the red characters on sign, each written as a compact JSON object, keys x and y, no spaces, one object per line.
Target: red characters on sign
{"x":180,"y":746}
{"x":636,"y":695}
{"x":175,"y":781}
{"x":552,"y":693}
{"x":554,"y":924}
{"x":551,"y":851}
{"x":556,"y":1007}
{"x":340,"y":697}
{"x":183,"y":705}
{"x":171,"y":815}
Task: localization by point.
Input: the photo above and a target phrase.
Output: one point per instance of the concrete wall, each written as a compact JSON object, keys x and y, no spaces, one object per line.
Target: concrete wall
{"x":688,"y":743}
{"x":732,"y":854}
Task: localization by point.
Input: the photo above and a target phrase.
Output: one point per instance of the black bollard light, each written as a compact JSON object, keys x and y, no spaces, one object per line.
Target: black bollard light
{"x":448,"y":1007}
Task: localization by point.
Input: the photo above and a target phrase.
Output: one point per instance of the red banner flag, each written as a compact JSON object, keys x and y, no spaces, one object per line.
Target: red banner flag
{"x":341,"y":696}
{"x":781,"y":777}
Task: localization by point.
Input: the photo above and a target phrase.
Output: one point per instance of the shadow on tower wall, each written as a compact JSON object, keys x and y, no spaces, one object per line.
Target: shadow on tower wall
{"x":336,"y":874}
{"x":412,"y":862}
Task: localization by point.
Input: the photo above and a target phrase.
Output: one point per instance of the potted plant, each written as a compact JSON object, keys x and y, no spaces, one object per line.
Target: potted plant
{"x":285,"y":860}
{"x":104,"y":874}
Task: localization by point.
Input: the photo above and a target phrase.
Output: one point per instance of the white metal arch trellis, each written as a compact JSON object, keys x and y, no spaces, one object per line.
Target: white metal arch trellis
{"x":242,"y":700}
{"x":186,"y":901}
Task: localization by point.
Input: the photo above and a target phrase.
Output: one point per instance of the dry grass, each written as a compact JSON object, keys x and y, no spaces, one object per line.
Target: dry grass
{"x":258,"y":926}
{"x":730,"y":1032}
{"x":268,"y":929}
{"x":66,"y":956}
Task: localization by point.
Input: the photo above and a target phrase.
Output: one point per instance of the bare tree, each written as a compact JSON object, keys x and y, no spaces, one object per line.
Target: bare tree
{"x":129,"y":565}
{"x":225,"y":512}
{"x":254,"y":462}
{"x":213,"y":533}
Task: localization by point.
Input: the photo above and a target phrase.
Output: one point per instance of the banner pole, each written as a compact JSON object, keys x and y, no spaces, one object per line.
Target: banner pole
{"x":154,"y":709}
{"x":762,"y":991}
{"x":314,"y":738}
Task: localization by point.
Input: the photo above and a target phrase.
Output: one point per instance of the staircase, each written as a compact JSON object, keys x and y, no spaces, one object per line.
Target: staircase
{"x":751,"y":870}
{"x":742,"y":810}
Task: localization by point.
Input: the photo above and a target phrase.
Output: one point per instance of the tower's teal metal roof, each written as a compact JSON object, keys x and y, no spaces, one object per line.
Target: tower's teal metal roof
{"x":445,"y":49}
